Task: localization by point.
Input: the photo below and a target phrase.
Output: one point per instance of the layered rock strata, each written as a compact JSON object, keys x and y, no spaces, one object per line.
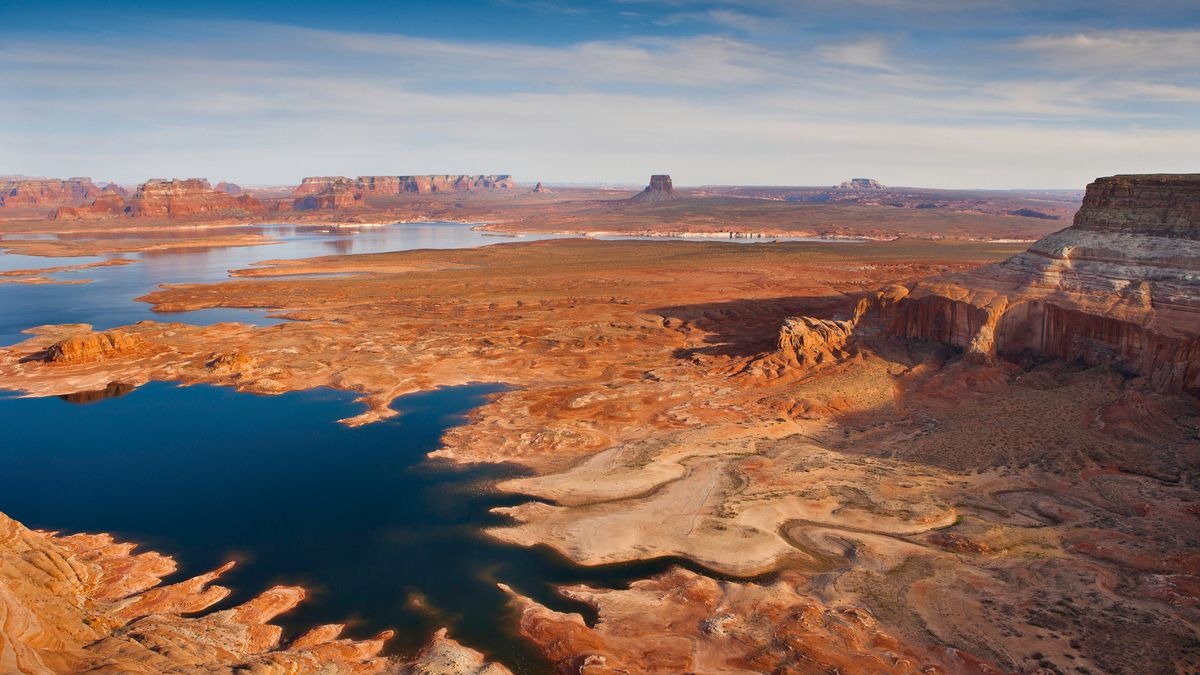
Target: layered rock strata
{"x":157,"y":198}
{"x":1120,"y":286}
{"x":339,"y":192}
{"x":96,"y":346}
{"x":47,"y":191}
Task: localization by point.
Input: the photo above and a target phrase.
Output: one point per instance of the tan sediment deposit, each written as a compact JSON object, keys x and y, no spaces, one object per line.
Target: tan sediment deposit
{"x":88,"y":604}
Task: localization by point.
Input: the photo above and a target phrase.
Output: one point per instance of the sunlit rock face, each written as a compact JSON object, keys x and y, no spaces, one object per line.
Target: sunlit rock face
{"x":86,"y":603}
{"x":1120,"y":286}
{"x":340,"y":192}
{"x":49,"y":192}
{"x":158,"y":198}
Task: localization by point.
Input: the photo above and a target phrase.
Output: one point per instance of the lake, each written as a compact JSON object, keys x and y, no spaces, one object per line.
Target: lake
{"x":381,"y":537}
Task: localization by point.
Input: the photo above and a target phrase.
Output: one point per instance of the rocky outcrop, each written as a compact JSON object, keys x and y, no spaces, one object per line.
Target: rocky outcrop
{"x":861,"y":184}
{"x":724,"y":627}
{"x":540,"y":189}
{"x":158,"y":198}
{"x":1120,"y":286}
{"x":229,"y":188}
{"x":107,"y":205}
{"x":88,"y":604}
{"x":190,"y":197}
{"x":809,"y":342}
{"x":340,"y":192}
{"x":660,"y":189}
{"x":96,"y":346}
{"x":48,"y":192}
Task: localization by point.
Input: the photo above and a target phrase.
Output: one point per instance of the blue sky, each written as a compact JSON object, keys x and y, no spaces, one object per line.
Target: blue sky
{"x":948,"y":93}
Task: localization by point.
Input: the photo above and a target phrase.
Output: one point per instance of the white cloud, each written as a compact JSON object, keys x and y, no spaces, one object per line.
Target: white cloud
{"x":1117,"y":51}
{"x":261,"y":103}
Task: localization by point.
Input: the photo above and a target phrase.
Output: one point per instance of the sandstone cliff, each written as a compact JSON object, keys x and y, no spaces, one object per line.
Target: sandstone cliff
{"x":49,"y":192}
{"x":96,"y":346}
{"x":340,"y":192}
{"x":1120,"y":286}
{"x":158,"y":198}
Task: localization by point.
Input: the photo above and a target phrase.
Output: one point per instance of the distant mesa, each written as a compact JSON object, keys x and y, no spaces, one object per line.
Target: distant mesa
{"x":660,"y":189}
{"x":229,"y":188}
{"x":540,"y":189}
{"x":160,"y":198}
{"x":20,"y":191}
{"x":861,"y":184}
{"x":340,"y":192}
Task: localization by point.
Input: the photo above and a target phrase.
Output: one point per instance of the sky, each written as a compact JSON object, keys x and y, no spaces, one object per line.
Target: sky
{"x":935,"y":93}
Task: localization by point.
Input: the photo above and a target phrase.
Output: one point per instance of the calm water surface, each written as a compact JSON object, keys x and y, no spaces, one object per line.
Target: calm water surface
{"x":107,"y":301}
{"x":382,"y":538}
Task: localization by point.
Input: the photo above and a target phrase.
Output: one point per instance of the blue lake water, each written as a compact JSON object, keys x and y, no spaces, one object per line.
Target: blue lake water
{"x":382,"y":538}
{"x":107,"y":301}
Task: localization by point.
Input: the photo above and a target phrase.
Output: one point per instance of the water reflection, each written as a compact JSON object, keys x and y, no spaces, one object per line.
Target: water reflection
{"x":108,"y":301}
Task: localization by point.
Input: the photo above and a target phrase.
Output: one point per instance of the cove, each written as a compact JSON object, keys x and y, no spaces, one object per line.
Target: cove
{"x":380,"y":536}
{"x":107,"y":301}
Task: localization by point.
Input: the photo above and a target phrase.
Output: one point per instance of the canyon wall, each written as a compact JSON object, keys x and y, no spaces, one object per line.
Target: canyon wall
{"x":340,"y":192}
{"x":158,"y":198}
{"x":1120,"y":286}
{"x":48,"y":192}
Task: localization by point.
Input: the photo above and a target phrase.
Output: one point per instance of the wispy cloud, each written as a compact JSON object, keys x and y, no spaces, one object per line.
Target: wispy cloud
{"x":1117,"y":51}
{"x":263,"y":102}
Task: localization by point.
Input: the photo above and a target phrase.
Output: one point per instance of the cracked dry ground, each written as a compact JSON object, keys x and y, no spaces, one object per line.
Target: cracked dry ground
{"x":897,"y":510}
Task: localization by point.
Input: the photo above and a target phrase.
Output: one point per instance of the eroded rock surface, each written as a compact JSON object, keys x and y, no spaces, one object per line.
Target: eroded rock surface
{"x":901,"y":502}
{"x":1120,"y":286}
{"x":339,"y":192}
{"x":660,"y":189}
{"x":47,"y":192}
{"x":157,"y":198}
{"x":96,"y":346}
{"x":87,"y":604}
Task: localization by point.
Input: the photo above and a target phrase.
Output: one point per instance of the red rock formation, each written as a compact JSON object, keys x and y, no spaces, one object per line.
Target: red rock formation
{"x":724,"y":627}
{"x":660,"y":189}
{"x":539,"y":189}
{"x":861,"y":184}
{"x":1120,"y":286}
{"x":110,"y":204}
{"x":190,"y":197}
{"x":159,"y":198}
{"x":49,"y":192}
{"x":96,"y":346}
{"x":339,"y":192}
{"x":229,"y":188}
